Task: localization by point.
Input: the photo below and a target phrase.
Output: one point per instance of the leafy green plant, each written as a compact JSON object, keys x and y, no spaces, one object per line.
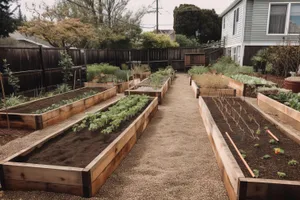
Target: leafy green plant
{"x":281,"y":175}
{"x":156,"y":80}
{"x":251,"y":80}
{"x":258,"y":132}
{"x":122,"y":75}
{"x":109,"y":121}
{"x":256,"y":173}
{"x":257,"y":145}
{"x":278,"y":151}
{"x":272,"y":141}
{"x":293,"y":162}
{"x":13,"y":81}
{"x":12,"y":100}
{"x":267,"y":156}
{"x":198,"y":70}
{"x":63,"y":88}
{"x":66,"y":64}
{"x":287,"y":98}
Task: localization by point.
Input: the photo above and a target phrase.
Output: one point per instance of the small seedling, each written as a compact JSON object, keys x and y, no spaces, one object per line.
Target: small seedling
{"x":293,"y":162}
{"x":266,"y":127}
{"x":281,"y":174}
{"x":258,"y":132}
{"x":278,"y":151}
{"x":272,"y":141}
{"x":257,"y":145}
{"x":256,"y":173}
{"x":244,"y":155}
{"x":267,"y":156}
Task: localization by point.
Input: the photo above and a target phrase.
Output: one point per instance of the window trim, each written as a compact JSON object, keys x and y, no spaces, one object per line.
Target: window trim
{"x":236,"y":19}
{"x":224,"y":23}
{"x":287,"y":20}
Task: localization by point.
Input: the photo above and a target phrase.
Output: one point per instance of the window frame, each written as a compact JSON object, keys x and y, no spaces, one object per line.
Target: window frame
{"x":287,"y":20}
{"x":236,"y":19}
{"x":224,"y":22}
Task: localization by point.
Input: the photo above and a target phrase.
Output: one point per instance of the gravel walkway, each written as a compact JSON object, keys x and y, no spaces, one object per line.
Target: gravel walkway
{"x":172,"y":160}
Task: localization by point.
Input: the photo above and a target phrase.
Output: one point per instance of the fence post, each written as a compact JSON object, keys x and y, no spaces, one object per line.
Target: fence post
{"x":43,"y":68}
{"x":148,"y":57}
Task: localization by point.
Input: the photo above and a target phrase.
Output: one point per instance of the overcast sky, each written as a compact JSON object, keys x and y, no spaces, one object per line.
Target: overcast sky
{"x":166,"y":9}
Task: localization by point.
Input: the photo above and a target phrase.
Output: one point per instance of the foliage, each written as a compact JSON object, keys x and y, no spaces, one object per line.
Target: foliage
{"x":12,"y":100}
{"x":260,"y":60}
{"x":293,"y":163}
{"x":287,"y":98}
{"x":13,"y":81}
{"x":211,"y":81}
{"x":251,"y":80}
{"x":159,"y":77}
{"x":63,"y":88}
{"x":267,"y":156}
{"x":109,"y":121}
{"x":7,"y":22}
{"x":256,"y":145}
{"x":65,"y":102}
{"x":189,"y":19}
{"x":66,"y":64}
{"x":256,"y":173}
{"x":139,"y":69}
{"x":153,"y":40}
{"x":272,"y":141}
{"x":198,"y":70}
{"x":227,"y":66}
{"x":281,"y":175}
{"x":278,"y":151}
{"x":122,"y":75}
{"x":67,"y":32}
{"x":184,"y":41}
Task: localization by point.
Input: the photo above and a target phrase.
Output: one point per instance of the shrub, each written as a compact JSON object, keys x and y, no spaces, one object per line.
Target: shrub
{"x":13,"y":81}
{"x":153,"y":40}
{"x":227,"y":66}
{"x":184,"y":41}
{"x":198,"y":70}
{"x":66,"y":64}
{"x":260,"y":60}
{"x":96,"y":70}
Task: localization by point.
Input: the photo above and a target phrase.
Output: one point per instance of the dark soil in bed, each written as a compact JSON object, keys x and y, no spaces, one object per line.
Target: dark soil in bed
{"x":268,"y":168}
{"x":8,"y":135}
{"x":74,"y":149}
{"x":44,"y":103}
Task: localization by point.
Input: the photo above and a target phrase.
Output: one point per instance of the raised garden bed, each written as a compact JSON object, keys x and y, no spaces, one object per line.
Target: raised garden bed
{"x":142,"y":76}
{"x":198,"y":91}
{"x":44,"y":112}
{"x":79,"y":162}
{"x":121,"y":87}
{"x":244,"y":89}
{"x":284,"y":112}
{"x":146,"y":89}
{"x":228,"y":122}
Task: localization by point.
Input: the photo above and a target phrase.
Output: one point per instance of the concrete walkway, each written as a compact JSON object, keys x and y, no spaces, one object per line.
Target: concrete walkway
{"x":172,"y":160}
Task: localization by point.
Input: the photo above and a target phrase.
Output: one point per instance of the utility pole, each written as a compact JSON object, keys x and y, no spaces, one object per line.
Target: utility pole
{"x":156,"y":16}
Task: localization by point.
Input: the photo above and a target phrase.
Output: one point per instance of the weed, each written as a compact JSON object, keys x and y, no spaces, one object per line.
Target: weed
{"x":293,"y":162}
{"x":265,"y":157}
{"x":281,"y":175}
{"x":256,"y":173}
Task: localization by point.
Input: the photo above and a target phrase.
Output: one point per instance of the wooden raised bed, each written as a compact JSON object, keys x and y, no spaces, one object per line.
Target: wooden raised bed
{"x":285,"y":113}
{"x":238,"y":186}
{"x":73,"y":180}
{"x":121,"y":87}
{"x":40,"y":121}
{"x":159,"y":93}
{"x":210,"y":91}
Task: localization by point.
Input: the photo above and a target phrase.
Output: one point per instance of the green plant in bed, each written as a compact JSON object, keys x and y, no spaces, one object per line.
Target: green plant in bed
{"x":107,"y":122}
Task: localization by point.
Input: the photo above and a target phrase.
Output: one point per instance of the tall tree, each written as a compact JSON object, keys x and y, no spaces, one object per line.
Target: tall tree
{"x":191,"y":21}
{"x":7,"y":22}
{"x":64,"y":33}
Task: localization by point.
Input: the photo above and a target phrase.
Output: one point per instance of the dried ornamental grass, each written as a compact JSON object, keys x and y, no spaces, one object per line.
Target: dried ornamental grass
{"x":211,"y":81}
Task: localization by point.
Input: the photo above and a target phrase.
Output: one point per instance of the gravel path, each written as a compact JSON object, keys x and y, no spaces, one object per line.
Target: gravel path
{"x":172,"y":160}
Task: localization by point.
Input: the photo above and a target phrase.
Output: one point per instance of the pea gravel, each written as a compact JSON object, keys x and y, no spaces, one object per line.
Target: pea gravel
{"x":172,"y":160}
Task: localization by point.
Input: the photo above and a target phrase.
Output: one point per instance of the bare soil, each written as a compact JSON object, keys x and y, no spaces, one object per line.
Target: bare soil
{"x":45,"y":103}
{"x":7,"y":135}
{"x":245,"y":142}
{"x":74,"y":149}
{"x":279,"y":80}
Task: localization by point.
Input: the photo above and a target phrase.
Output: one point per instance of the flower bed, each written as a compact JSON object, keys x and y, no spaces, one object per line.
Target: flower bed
{"x":254,"y":164}
{"x":47,"y":111}
{"x":78,"y":159}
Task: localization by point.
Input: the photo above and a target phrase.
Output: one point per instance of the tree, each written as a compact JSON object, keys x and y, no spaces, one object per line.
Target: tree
{"x":191,"y":21}
{"x":65,"y":33}
{"x":184,"y":41}
{"x":153,"y":40}
{"x":7,"y":22}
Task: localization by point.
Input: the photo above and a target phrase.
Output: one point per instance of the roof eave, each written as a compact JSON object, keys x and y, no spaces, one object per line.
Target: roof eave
{"x":232,"y":5}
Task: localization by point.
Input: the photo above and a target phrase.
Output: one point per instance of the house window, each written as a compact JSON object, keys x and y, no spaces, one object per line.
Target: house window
{"x":235,"y":20}
{"x":277,"y":19}
{"x":294,"y":25}
{"x":284,"y":18}
{"x":224,"y":22}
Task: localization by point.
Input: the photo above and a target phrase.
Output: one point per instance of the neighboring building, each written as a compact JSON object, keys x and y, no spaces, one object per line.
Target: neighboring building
{"x":250,"y":25}
{"x":170,"y":33}
{"x":22,"y":40}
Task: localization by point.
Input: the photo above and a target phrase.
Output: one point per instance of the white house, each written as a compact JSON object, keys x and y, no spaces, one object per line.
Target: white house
{"x":250,"y":25}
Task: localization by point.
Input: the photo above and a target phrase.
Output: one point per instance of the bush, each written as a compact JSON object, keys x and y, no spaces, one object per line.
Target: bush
{"x":260,"y":60}
{"x":66,"y":64}
{"x":227,"y":66}
{"x":184,"y":41}
{"x":197,"y":70}
{"x":153,"y":40}
{"x":96,"y":70}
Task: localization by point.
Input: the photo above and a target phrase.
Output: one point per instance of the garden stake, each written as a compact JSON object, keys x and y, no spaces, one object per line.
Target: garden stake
{"x":4,"y":100}
{"x":240,"y":155}
{"x":272,"y":135}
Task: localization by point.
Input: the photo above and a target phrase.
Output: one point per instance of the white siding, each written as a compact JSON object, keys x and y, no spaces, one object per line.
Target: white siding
{"x":237,"y":39}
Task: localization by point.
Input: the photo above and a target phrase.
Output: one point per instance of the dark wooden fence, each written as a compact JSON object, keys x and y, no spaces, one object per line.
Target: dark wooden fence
{"x":37,"y":67}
